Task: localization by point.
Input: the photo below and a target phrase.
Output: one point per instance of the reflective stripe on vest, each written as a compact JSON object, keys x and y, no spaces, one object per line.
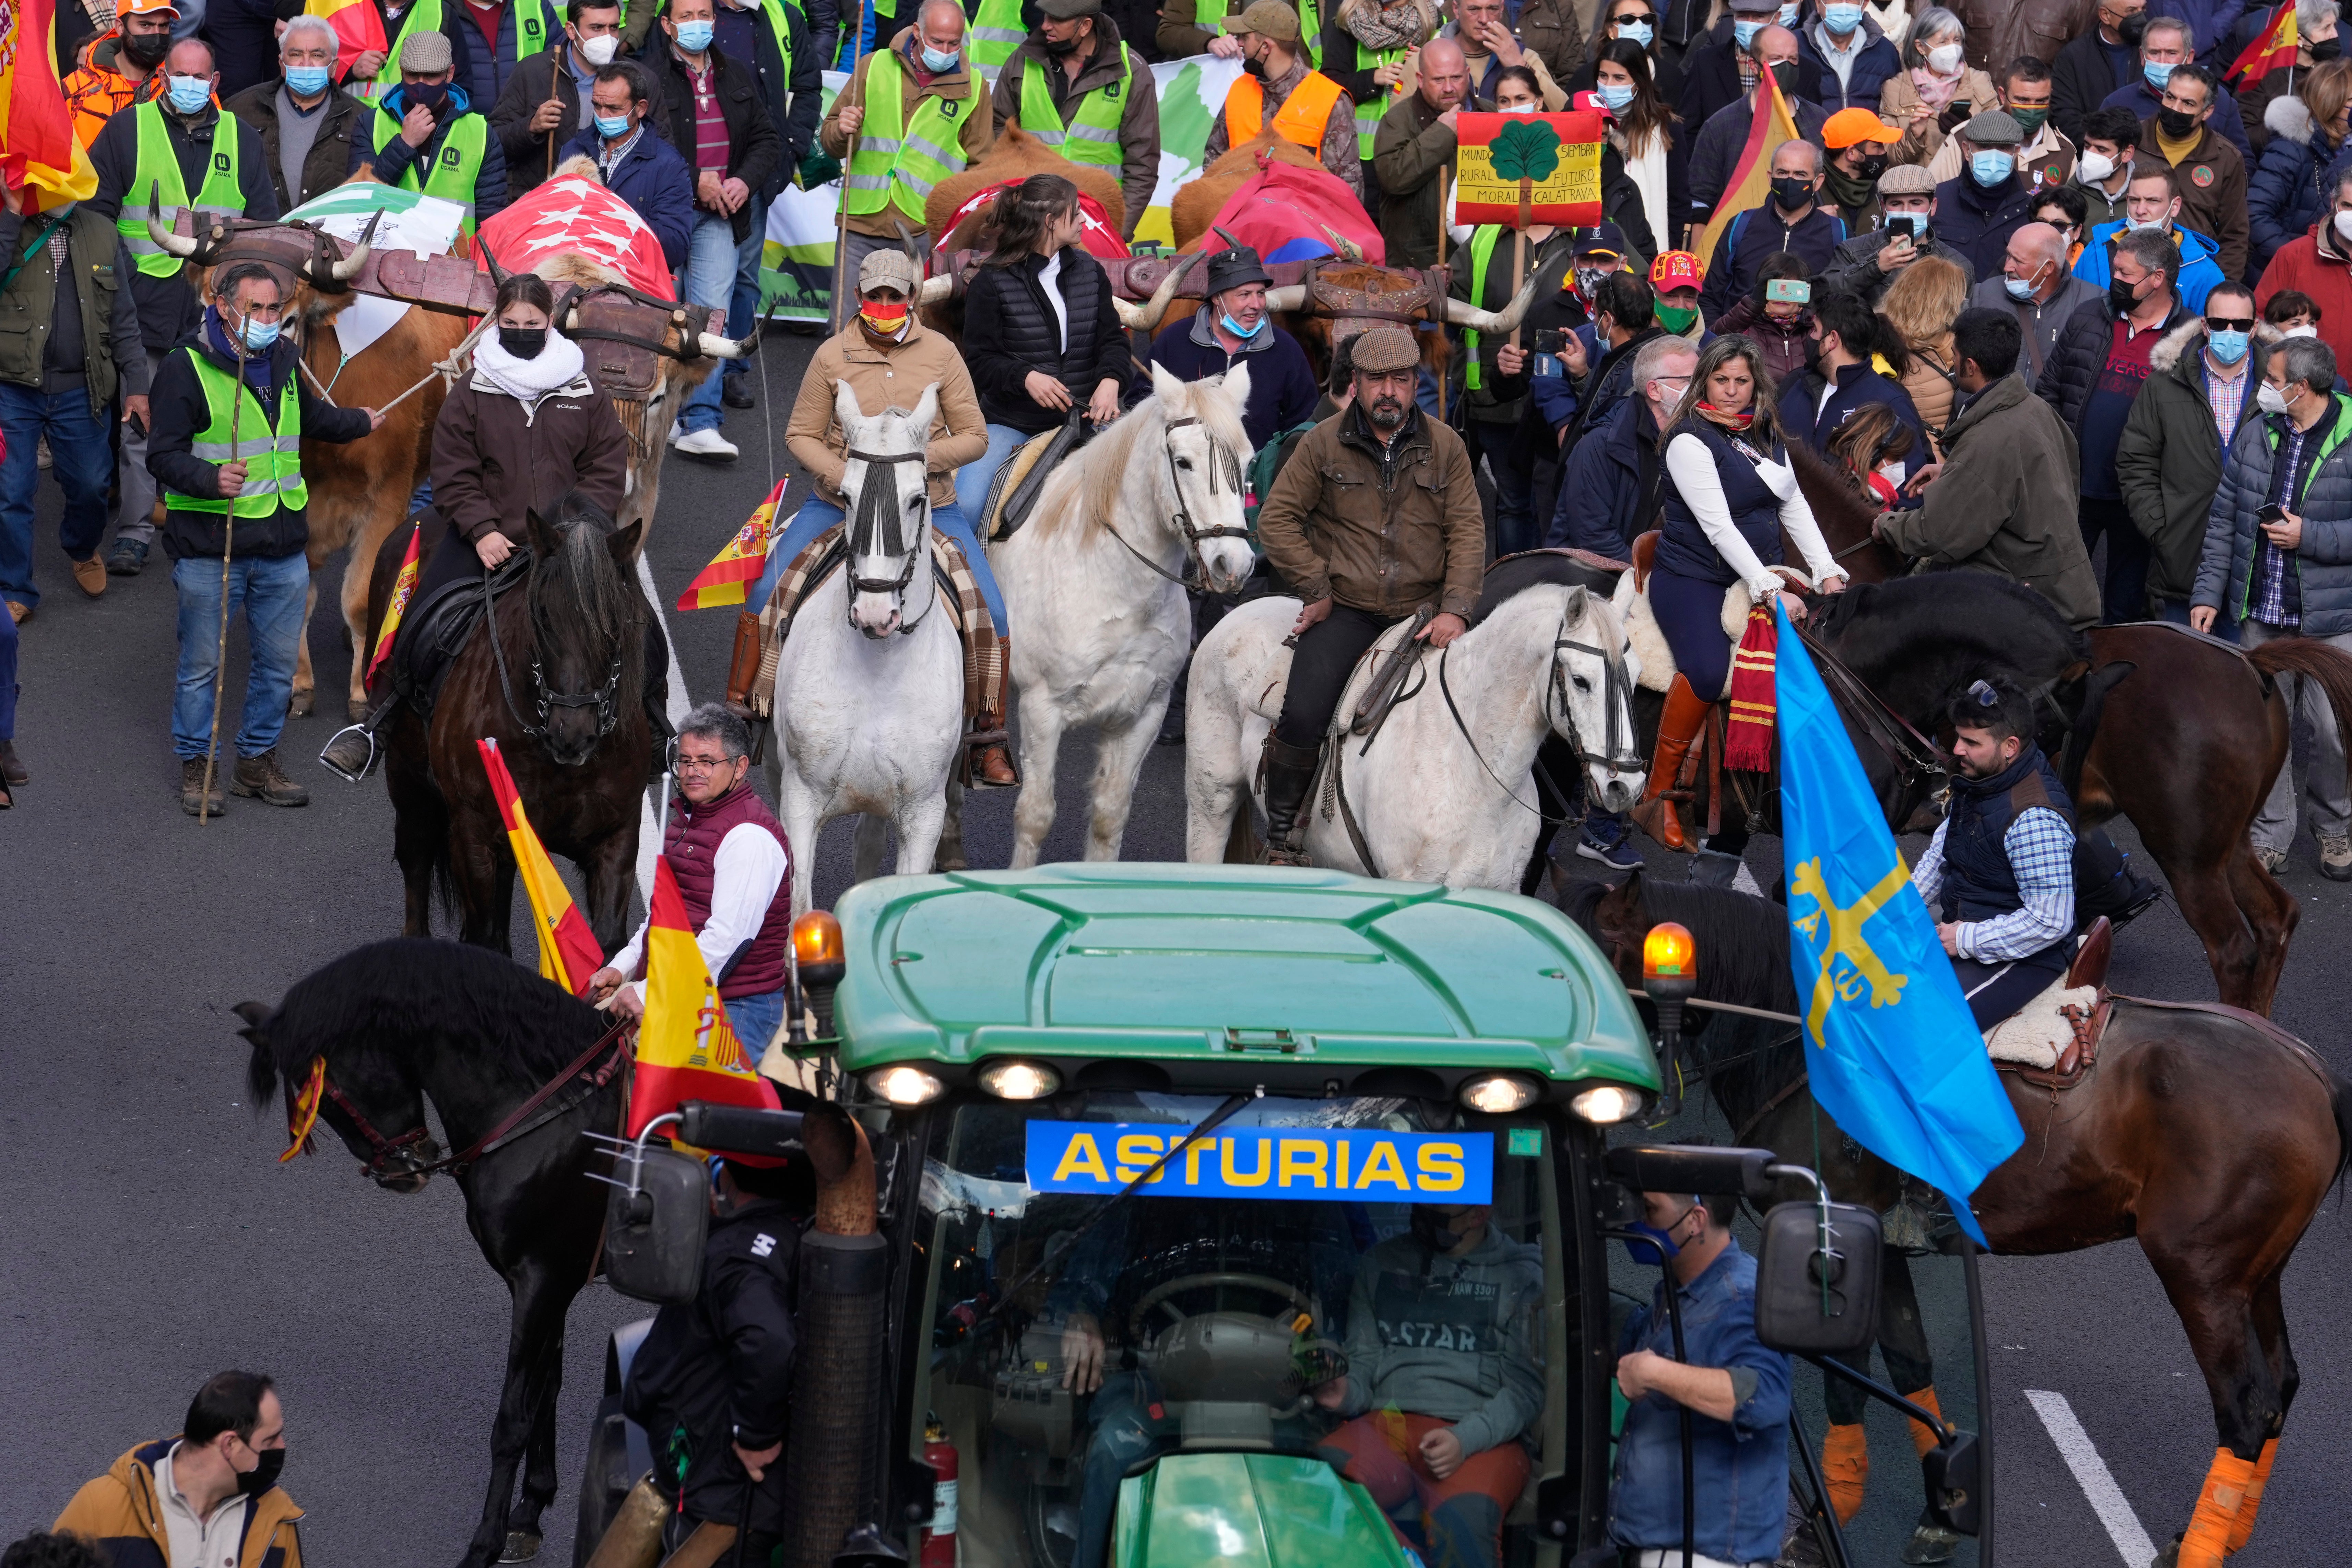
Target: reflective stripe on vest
{"x":159,"y":167}
{"x":1367,"y":115}
{"x":1093,"y":133}
{"x":1482,"y":250}
{"x":1301,"y":119}
{"x":900,"y":170}
{"x":996,"y":32}
{"x":272,"y":458}
{"x":1311,"y":34}
{"x":457,"y":163}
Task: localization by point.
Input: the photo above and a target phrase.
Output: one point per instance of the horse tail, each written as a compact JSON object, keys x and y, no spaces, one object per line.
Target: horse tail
{"x":2328,"y":665}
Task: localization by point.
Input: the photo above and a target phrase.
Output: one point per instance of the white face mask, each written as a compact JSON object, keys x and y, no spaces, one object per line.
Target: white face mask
{"x":2271,"y":398}
{"x":599,"y":51}
{"x":2343,"y":225}
{"x":1943,"y":60}
{"x":2093,"y":167}
{"x":1515,"y":108}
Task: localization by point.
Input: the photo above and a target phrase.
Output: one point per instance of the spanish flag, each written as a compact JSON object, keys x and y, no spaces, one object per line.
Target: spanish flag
{"x":723,"y":582}
{"x":569,"y":954}
{"x":1751,"y":177}
{"x":358,"y":28}
{"x":39,"y":154}
{"x":686,"y":1047}
{"x":403,"y":588}
{"x":2274,"y":50}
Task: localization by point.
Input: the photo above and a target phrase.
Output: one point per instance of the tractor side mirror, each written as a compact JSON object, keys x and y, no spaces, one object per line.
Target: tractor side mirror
{"x":653,"y":1234}
{"x":1817,"y":1279}
{"x":1693,"y":1168}
{"x":740,"y":1129}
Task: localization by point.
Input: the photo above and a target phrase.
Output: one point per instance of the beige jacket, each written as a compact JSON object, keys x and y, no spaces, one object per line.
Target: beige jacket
{"x":892,"y":377}
{"x":977,"y":120}
{"x":1922,"y":141}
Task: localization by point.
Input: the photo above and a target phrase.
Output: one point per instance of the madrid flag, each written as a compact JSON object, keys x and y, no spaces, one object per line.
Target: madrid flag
{"x":39,"y":154}
{"x":686,"y":1047}
{"x":576,"y":212}
{"x":569,"y":954}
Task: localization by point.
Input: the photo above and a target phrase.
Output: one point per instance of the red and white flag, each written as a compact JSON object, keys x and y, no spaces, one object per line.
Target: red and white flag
{"x":572,"y":211}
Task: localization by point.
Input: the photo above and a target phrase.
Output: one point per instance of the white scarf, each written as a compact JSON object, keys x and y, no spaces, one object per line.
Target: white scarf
{"x":560,"y":367}
{"x":1647,"y":170}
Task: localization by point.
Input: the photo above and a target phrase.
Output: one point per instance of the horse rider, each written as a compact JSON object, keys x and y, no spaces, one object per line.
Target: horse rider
{"x":1074,"y":85}
{"x":1309,"y":109}
{"x":528,"y":428}
{"x":1376,"y":516}
{"x":2000,"y":873}
{"x":928,"y":122}
{"x":886,"y":357}
{"x":734,"y":871}
{"x":1729,"y":489}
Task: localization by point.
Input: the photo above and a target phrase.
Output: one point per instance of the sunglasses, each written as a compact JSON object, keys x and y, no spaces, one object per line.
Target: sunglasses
{"x":1630,"y":16}
{"x":2229,"y":323}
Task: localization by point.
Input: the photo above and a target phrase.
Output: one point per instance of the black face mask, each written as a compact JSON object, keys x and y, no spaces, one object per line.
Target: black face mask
{"x":1061,"y":48}
{"x":1256,"y":68}
{"x":2325,"y":50}
{"x":2177,"y":125}
{"x":433,"y":96}
{"x":1785,"y":73}
{"x":1792,"y":192}
{"x":263,"y":1476}
{"x":2120,"y":297}
{"x":523,"y":343}
{"x":146,"y":50}
{"x":2133,"y":28}
{"x":1872,"y":167}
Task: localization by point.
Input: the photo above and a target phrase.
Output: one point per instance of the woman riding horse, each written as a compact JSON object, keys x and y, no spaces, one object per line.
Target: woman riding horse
{"x":529,"y":426}
{"x":1730,"y":490}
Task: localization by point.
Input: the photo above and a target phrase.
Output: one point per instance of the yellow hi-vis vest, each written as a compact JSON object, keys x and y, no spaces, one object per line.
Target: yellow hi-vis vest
{"x":159,"y":167}
{"x":1209,"y":15}
{"x":424,"y":17}
{"x":899,"y":158}
{"x":1482,"y":251}
{"x":996,"y":32}
{"x":457,"y":163}
{"x":272,"y":458}
{"x":1092,"y":136}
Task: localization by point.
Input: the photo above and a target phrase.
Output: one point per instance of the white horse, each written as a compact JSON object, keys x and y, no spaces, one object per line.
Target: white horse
{"x":1093,"y":583}
{"x":1444,"y":793}
{"x":869,"y":688}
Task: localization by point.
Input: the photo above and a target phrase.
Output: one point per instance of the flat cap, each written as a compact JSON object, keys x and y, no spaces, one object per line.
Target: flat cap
{"x":424,"y":51}
{"x":1994,"y":128}
{"x":1383,"y":350}
{"x":888,"y":270}
{"x":1070,"y":10}
{"x":1906,"y":180}
{"x":1270,"y":18}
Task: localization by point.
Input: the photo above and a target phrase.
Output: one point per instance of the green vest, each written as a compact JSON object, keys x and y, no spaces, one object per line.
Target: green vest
{"x":1093,"y":133}
{"x":272,"y":458}
{"x":426,"y":16}
{"x":996,"y":32}
{"x":1482,"y":250}
{"x":1311,"y":34}
{"x":899,"y":160}
{"x":159,"y":167}
{"x":28,"y":302}
{"x":456,"y":166}
{"x":1376,"y":100}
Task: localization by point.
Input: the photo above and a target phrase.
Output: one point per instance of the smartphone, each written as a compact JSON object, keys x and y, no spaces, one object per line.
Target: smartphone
{"x":2273,"y":513}
{"x":1551,"y":340}
{"x":138,"y":427}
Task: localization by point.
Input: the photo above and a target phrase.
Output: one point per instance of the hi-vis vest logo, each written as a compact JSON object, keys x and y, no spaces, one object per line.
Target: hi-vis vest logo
{"x":763,"y":1245}
{"x":449,"y":157}
{"x":220,"y":162}
{"x":1846,"y":942}
{"x":530,"y":26}
{"x":1102,"y":1158}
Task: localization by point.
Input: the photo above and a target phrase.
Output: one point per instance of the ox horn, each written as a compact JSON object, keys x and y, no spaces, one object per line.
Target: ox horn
{"x":1462,"y":313}
{"x":939,"y":290}
{"x":1145,"y":317}
{"x":169,"y":243}
{"x":1289,"y":297}
{"x":346,"y":270}
{"x":716,"y":347}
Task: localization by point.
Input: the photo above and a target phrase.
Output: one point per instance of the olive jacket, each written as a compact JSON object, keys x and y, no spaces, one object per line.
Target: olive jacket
{"x":1380,"y":531}
{"x":2169,"y":459}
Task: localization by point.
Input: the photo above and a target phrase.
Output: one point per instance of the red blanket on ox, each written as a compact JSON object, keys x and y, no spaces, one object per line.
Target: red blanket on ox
{"x":1289,"y":213}
{"x":1101,"y":239}
{"x":572,"y":212}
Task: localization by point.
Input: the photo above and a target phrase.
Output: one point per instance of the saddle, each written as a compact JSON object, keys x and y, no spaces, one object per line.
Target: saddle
{"x":1631,"y":600}
{"x":1013,"y":493}
{"x":2052,"y":1042}
{"x":436,"y":630}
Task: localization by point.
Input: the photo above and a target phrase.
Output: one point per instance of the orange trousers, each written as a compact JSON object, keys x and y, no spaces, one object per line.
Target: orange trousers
{"x":1462,"y":1516}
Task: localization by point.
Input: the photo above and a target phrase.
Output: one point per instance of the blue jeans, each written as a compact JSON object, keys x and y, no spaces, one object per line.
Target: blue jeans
{"x":1126,"y":1433}
{"x":754,"y":1020}
{"x":83,"y":460}
{"x":743,"y":303}
{"x":7,"y":676}
{"x":974,"y":478}
{"x":271,"y":591}
{"x":708,"y":279}
{"x":817,"y":514}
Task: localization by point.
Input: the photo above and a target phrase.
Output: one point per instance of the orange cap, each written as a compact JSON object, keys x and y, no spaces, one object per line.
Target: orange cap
{"x":1848,"y":126}
{"x":146,"y":8}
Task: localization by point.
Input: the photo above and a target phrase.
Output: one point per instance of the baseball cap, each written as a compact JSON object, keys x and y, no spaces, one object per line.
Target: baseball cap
{"x":888,"y":270}
{"x":1272,"y":18}
{"x":1594,"y":101}
{"x":426,"y":51}
{"x":1906,"y":180}
{"x":1848,"y":126}
{"x":146,"y":8}
{"x":1601,"y":239}
{"x":1676,"y":270}
{"x":1383,"y":349}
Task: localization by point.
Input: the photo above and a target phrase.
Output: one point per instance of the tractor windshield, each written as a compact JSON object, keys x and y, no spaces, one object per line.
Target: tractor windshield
{"x":1338,"y":1285}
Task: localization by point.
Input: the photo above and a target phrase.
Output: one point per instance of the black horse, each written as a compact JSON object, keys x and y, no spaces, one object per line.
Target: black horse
{"x":397,"y":1023}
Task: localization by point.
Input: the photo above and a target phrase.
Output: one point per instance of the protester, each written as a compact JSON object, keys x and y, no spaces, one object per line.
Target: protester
{"x":929,"y":119}
{"x":2288,"y":191}
{"x":488,"y":40}
{"x":1552,"y":31}
{"x":1368,"y":47}
{"x":1413,"y":152}
{"x":2317,"y":27}
{"x":1853,"y":55}
{"x":429,"y":123}
{"x":124,"y":65}
{"x":2110,"y":142}
{"x":545,"y":103}
{"x":208,"y":1496}
{"x":1308,"y":108}
{"x":1609,"y":493}
{"x":2036,"y":287}
{"x":2211,"y":173}
{"x":2064,"y":210}
{"x":1790,"y":220}
{"x":2318,"y":267}
{"x":1842,"y":379}
{"x":1675,"y":279}
{"x":1776,"y":315}
{"x":1725,"y":72}
{"x":1859,"y":145}
{"x":2166,"y":44}
{"x":1075,"y":86}
{"x":2045,"y":160}
{"x":2095,"y":63}
{"x":1721,"y":139}
{"x":1937,"y":92}
{"x":638,"y":164}
{"x":1650,"y":143}
{"x":1489,"y":47}
{"x":306,"y":122}
{"x":1867,"y":263}
{"x":1232,"y":323}
{"x":2286,"y":575}
{"x":2153,"y":206}
{"x":775,"y":42}
{"x":1918,"y":308}
{"x":1636,"y":23}
{"x":2294,"y":314}
{"x":1500,"y":422}
{"x":1981,"y":206}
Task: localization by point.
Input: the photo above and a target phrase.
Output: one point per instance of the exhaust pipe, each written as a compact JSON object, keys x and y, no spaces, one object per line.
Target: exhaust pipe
{"x":844,"y":1275}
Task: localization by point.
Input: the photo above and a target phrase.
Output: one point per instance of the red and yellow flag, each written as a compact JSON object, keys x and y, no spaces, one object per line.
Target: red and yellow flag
{"x":1751,"y":177}
{"x":569,"y":954}
{"x":39,"y":154}
{"x":359,"y":27}
{"x":2274,"y":50}
{"x":403,"y":588}
{"x":686,"y":1047}
{"x":726,"y":580}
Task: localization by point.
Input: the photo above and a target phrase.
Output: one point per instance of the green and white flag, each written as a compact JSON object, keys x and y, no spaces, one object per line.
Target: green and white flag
{"x":412,"y":221}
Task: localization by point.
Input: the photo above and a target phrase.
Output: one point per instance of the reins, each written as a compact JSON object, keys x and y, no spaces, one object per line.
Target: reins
{"x":1226,"y":469}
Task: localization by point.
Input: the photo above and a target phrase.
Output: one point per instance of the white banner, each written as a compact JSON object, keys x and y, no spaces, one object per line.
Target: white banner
{"x":412,"y":221}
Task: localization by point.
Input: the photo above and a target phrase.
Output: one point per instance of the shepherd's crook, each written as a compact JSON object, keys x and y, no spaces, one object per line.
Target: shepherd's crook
{"x":228,"y":537}
{"x":841,"y":240}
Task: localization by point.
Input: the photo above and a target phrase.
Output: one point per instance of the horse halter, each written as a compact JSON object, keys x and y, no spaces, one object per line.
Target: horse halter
{"x":1617,"y":695}
{"x":879,"y":529}
{"x":1223,"y":469}
{"x":604,"y":699}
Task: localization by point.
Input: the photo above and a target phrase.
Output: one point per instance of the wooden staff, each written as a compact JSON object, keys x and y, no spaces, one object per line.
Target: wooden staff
{"x":228,"y":536}
{"x":1445,"y":178}
{"x":841,"y":215}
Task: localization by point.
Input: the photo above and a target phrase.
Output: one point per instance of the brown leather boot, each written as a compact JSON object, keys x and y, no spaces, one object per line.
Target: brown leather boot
{"x":1678,"y":726}
{"x":991,"y":767}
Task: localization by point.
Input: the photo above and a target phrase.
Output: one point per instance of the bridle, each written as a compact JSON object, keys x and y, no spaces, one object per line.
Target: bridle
{"x":1617,"y":690}
{"x":604,"y":699}
{"x":1917,"y":764}
{"x":1223,"y":469}
{"x":868,"y":536}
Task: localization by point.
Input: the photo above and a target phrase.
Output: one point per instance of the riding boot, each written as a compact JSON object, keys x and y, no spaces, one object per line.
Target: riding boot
{"x":1678,"y":726}
{"x":2106,"y":884}
{"x":1289,"y":775}
{"x":351,"y":752}
{"x":992,"y":766}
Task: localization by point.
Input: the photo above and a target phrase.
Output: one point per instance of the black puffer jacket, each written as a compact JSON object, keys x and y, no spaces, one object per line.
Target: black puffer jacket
{"x":2079,"y":355}
{"x":1009,"y":330}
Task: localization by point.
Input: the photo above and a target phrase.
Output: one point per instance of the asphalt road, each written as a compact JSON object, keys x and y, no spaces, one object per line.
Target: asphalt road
{"x":151,"y":1236}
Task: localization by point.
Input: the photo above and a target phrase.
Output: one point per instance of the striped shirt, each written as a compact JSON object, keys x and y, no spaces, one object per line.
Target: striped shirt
{"x":2041,"y":847}
{"x":709,"y":123}
{"x":2272,"y":589}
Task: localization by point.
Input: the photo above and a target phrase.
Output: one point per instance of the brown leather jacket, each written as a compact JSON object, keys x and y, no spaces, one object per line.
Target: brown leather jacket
{"x":492,"y":465}
{"x":1381,"y":533}
{"x":2001,"y":30}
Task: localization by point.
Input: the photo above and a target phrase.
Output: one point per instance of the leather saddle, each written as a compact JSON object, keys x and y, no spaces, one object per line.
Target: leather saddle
{"x":1013,"y":493}
{"x":437,"y":629}
{"x":2082,"y":1055}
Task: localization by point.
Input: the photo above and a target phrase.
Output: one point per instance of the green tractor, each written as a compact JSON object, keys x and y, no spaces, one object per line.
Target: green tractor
{"x":1117,"y":1161}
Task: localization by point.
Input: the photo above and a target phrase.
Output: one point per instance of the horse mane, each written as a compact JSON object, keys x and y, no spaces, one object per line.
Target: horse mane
{"x":1099,"y":471}
{"x":1957,"y":610}
{"x":586,"y":602}
{"x":1508,"y":578}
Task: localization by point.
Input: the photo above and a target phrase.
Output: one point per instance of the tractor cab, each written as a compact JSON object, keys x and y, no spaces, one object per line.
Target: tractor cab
{"x":1204,"y":1195}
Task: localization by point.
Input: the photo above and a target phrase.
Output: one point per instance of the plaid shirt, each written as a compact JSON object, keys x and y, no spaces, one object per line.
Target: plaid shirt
{"x":2226,"y":395}
{"x":2041,"y":847}
{"x":2271,"y":588}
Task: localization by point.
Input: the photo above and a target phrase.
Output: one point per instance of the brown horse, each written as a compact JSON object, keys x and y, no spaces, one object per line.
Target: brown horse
{"x":2209,"y":1135}
{"x":561,"y":690}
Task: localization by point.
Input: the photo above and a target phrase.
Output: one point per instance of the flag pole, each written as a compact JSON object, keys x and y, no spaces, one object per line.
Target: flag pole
{"x":841,"y":237}
{"x":229,"y":538}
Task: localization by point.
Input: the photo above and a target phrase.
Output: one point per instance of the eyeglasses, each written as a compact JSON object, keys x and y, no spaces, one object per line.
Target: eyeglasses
{"x":702,"y":765}
{"x":2229,"y":323}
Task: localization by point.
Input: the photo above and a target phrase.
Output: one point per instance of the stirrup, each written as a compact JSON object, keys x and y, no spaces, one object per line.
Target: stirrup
{"x":375,"y":753}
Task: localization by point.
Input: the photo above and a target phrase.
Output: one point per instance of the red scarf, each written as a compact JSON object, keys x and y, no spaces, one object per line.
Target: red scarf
{"x":1747,"y":733}
{"x":1730,"y":421}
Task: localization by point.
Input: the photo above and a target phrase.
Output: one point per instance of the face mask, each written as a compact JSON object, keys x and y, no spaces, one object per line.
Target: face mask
{"x":887,"y":323}
{"x":1841,"y":19}
{"x":599,"y":50}
{"x":146,"y":50}
{"x":613,"y":127}
{"x":263,"y":1476}
{"x":1787,"y":16}
{"x":1516,"y":107}
{"x":2030,"y":121}
{"x":2121,"y":298}
{"x":2299,"y":332}
{"x":2153,"y":225}
{"x":2270,"y":398}
{"x":1656,"y":1250}
{"x":1915,"y":224}
{"x":1237,"y":329}
{"x":2175,"y":124}
{"x":1792,"y":191}
{"x":434,"y":96}
{"x":2229,"y":347}
{"x":939,"y":63}
{"x":2156,"y":73}
{"x":1639,"y":32}
{"x":1616,"y":95}
{"x":1872,"y":166}
{"x":306,"y":81}
{"x":694,"y":37}
{"x":1435,"y":1231}
{"x":1785,"y":73}
{"x":189,"y":94}
{"x":259,"y":335}
{"x":2133,"y":28}
{"x":2091,"y":168}
{"x":1677,"y":318}
{"x":1988,"y":168}
{"x":1588,"y":281}
{"x":2023,"y":287}
{"x":2325,"y":49}
{"x":1744,"y":33}
{"x":1943,"y":60}
{"x":523,"y":343}
{"x":1061,"y":48}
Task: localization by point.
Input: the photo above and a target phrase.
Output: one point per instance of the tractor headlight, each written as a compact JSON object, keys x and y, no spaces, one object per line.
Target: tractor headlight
{"x":905,"y":1086}
{"x":1606,"y":1104}
{"x":1498,"y":1094}
{"x":1019,"y":1080}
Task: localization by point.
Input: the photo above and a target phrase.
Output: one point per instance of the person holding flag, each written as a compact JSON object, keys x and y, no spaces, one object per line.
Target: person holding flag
{"x":2296,"y":40}
{"x":733,"y":869}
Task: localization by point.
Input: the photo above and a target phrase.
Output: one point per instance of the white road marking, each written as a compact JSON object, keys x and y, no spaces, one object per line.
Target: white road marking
{"x":1746,"y":882}
{"x":648,"y":826}
{"x":2107,"y":1498}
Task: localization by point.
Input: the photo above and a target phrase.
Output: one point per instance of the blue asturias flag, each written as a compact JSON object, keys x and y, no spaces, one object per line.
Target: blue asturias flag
{"x":1896,"y":1061}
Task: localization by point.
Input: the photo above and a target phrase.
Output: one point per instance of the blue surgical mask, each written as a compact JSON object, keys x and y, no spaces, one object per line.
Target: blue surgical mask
{"x":2019,"y":288}
{"x":1616,"y":95}
{"x":2158,"y":73}
{"x":2229,"y":347}
{"x":694,"y":37}
{"x":1841,"y":19}
{"x":1658,"y":1246}
{"x":1744,"y":32}
{"x":939,"y":62}
{"x":189,"y":94}
{"x":308,"y":81}
{"x":1637,"y":32}
{"x":1788,"y":15}
{"x":1237,"y":329}
{"x":259,"y":335}
{"x":611,"y":127}
{"x":1989,"y":168}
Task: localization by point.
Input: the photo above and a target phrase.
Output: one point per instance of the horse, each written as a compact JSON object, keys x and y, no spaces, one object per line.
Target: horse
{"x":1442,"y":790}
{"x":566,"y":648}
{"x":1094,"y":581}
{"x":401,"y":1022}
{"x":2207,"y":1134}
{"x":869,"y":687}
